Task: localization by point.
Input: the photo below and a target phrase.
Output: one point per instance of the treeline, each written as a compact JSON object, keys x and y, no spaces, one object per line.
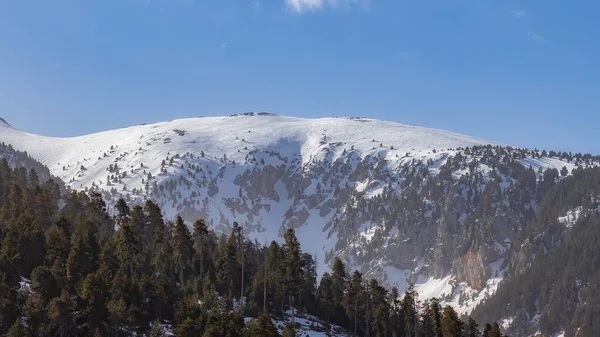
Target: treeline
{"x":556,"y":284}
{"x":23,"y":162}
{"x":134,"y":274}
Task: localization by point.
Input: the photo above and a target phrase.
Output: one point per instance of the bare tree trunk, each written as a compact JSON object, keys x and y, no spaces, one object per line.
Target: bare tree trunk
{"x":265,"y":285}
{"x":181,"y":275}
{"x":355,"y":320}
{"x":367,"y":309}
{"x":241,"y":238}
{"x":291,"y":299}
{"x":201,"y":261}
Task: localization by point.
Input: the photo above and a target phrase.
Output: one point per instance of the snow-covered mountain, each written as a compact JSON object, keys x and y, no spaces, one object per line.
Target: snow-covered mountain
{"x":402,"y":203}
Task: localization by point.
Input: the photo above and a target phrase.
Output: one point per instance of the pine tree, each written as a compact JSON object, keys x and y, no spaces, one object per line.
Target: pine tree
{"x":275,"y":278}
{"x":472,"y":328}
{"x":123,"y":211}
{"x":57,"y":242}
{"x":308,"y":292}
{"x":199,"y":237}
{"x":61,"y":316}
{"x":409,"y":311}
{"x":18,"y":330}
{"x":127,"y":249}
{"x":326,"y":300}
{"x":182,"y":249}
{"x":157,"y":330}
{"x":95,"y":293}
{"x":83,"y":257}
{"x":229,"y":270}
{"x":338,"y":283}
{"x":293,"y":264}
{"x":187,"y":329}
{"x":289,"y":331}
{"x":495,"y":331}
{"x":9,"y":310}
{"x":378,"y":310}
{"x":262,"y":327}
{"x":354,"y":300}
{"x":487,"y":329}
{"x":396,"y":322}
{"x":451,"y":324}
{"x":435,"y":311}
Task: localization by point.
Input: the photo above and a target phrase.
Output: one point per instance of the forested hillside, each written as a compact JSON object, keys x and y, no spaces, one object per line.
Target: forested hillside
{"x":76,"y":271}
{"x":557,"y":278}
{"x":25,"y":164}
{"x":402,"y":204}
{"x":455,"y":220}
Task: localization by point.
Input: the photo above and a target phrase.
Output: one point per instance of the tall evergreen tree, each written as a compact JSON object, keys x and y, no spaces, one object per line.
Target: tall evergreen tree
{"x":451,"y":324}
{"x":182,"y":249}
{"x":262,"y":327}
{"x":9,"y":309}
{"x":293,"y":264}
{"x":409,"y":311}
{"x":472,"y":328}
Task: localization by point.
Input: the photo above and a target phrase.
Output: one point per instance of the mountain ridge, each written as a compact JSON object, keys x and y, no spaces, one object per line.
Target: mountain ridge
{"x":397,"y":202}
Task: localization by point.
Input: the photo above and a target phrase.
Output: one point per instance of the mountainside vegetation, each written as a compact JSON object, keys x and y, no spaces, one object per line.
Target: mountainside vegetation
{"x":496,"y":232}
{"x":556,"y":282}
{"x":74,"y":270}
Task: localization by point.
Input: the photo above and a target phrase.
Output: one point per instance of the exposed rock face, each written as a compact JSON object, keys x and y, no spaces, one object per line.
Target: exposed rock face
{"x":472,"y":269}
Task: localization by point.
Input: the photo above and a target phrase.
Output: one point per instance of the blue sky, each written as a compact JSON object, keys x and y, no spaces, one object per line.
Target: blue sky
{"x":521,"y":72}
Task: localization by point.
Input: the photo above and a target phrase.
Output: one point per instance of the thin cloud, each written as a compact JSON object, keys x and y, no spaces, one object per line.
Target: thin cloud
{"x":225,"y":45}
{"x":303,"y":6}
{"x":537,"y":37}
{"x":518,"y":13}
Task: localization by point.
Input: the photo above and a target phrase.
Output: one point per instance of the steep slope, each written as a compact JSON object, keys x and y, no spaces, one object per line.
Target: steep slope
{"x":19,"y":159}
{"x":557,"y":272}
{"x":404,"y":203}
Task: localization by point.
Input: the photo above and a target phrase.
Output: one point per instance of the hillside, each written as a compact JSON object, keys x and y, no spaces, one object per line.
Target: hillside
{"x":557,"y":276}
{"x":404,"y":204}
{"x":67,"y":268}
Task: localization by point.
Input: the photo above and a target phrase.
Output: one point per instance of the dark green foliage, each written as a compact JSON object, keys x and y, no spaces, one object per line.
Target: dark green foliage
{"x":157,"y":330}
{"x":89,"y":280}
{"x":472,"y":328}
{"x":494,"y":331}
{"x":262,"y":327}
{"x":293,"y":265}
{"x":182,"y":250}
{"x":289,"y":330}
{"x":409,"y":313}
{"x":18,"y":330}
{"x":9,"y":310}
{"x":566,"y":272}
{"x":452,"y":326}
{"x":431,"y":320}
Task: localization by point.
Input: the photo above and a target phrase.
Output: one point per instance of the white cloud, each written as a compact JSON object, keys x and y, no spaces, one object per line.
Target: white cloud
{"x":537,"y":37}
{"x":518,"y":12}
{"x":302,"y":6}
{"x":305,"y":5}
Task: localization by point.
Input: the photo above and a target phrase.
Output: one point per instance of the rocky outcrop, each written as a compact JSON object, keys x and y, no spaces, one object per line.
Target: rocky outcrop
{"x":472,"y":269}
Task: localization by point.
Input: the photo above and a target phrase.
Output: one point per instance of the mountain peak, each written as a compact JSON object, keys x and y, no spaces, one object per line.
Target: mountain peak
{"x":3,"y":122}
{"x":252,"y":113}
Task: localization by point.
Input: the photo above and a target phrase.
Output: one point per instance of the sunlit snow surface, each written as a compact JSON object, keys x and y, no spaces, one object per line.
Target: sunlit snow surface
{"x":83,"y":161}
{"x":228,"y":142}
